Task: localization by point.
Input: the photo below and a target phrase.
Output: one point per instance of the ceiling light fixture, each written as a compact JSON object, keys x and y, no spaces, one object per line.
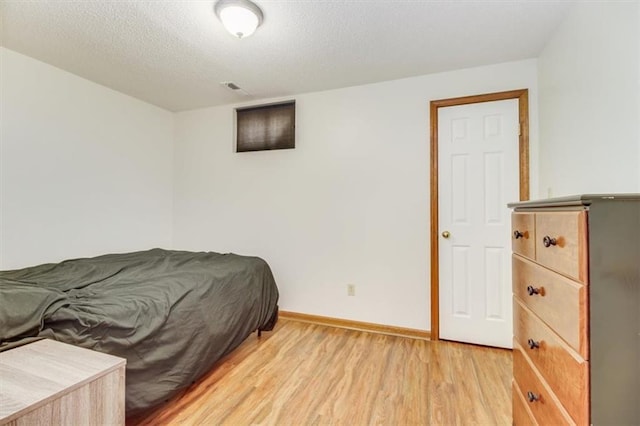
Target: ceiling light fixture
{"x":239,"y":17}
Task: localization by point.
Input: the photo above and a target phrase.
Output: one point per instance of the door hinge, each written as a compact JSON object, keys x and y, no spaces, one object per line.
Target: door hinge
{"x":520,"y":129}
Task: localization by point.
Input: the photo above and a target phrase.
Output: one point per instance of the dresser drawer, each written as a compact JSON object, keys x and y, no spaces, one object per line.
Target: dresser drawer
{"x":557,"y":300}
{"x":522,"y":416}
{"x":544,"y":405}
{"x":561,"y":242}
{"x":566,"y":372}
{"x":523,"y":234}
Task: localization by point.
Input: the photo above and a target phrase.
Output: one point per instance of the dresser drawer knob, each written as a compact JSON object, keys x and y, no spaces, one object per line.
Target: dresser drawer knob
{"x":548,"y":241}
{"x":533,"y":344}
{"x":517,"y":234}
{"x":532,"y":290}
{"x":532,"y":397}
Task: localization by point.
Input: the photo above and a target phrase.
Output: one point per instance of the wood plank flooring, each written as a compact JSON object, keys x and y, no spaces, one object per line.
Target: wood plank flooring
{"x":306,"y":374}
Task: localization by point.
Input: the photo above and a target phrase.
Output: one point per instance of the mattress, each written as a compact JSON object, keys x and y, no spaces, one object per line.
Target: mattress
{"x":171,"y":314}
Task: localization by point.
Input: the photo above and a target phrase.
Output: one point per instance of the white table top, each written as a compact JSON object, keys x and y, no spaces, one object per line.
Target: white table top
{"x":34,"y":374}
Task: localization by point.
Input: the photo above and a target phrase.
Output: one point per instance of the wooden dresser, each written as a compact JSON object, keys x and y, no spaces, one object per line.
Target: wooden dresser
{"x":52,"y":383}
{"x":576,"y":304}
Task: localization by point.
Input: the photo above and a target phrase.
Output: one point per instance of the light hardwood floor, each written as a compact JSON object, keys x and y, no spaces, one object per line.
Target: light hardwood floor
{"x":306,"y":374}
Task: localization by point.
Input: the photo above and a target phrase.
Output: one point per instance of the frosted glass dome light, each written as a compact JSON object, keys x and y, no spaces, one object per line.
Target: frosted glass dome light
{"x":239,"y":17}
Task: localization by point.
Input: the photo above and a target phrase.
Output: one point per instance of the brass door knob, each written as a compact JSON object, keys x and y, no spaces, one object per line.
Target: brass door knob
{"x":446,"y":234}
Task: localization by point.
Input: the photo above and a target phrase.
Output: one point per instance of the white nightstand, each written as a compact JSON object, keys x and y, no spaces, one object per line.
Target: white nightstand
{"x":48,"y":382}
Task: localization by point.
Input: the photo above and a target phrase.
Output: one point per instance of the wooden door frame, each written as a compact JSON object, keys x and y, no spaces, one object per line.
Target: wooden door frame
{"x":522,"y":96}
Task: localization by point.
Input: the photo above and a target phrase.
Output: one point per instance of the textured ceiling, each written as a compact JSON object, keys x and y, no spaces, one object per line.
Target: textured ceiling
{"x":174,"y":54}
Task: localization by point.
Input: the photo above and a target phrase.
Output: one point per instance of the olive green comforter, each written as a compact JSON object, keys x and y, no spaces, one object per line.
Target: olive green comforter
{"x":171,"y":314}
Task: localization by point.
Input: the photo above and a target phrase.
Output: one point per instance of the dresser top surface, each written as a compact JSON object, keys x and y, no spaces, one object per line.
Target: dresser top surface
{"x":35,"y":373}
{"x":575,"y":200}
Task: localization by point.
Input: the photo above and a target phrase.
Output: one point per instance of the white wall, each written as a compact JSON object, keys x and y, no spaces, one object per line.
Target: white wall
{"x":84,"y":170}
{"x":590,"y":102}
{"x":350,"y":204}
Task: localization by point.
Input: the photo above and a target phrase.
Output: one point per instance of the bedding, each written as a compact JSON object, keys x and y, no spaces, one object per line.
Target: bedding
{"x":171,"y":314}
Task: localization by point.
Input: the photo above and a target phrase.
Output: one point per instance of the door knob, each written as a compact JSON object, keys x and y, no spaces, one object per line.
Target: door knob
{"x":446,"y":234}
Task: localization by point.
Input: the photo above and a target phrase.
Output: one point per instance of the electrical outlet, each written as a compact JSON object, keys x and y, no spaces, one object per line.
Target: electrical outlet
{"x":351,"y":289}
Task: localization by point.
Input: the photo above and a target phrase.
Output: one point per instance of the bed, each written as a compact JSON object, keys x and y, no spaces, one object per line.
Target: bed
{"x":171,"y":314}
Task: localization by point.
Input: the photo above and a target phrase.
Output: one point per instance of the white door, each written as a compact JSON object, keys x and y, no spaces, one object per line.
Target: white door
{"x":478,"y":174}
